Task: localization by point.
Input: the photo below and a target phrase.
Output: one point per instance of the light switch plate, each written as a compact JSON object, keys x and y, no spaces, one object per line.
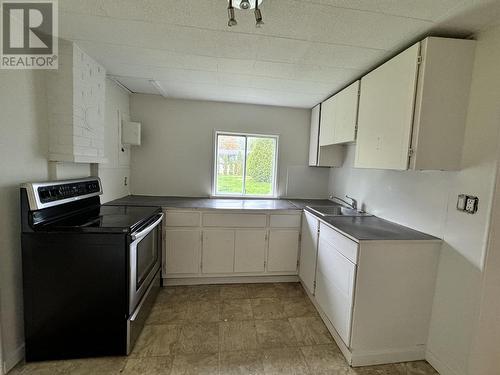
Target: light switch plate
{"x":462,"y":198}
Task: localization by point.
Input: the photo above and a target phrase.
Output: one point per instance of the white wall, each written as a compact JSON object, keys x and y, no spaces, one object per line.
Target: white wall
{"x":426,"y":201}
{"x":23,"y":157}
{"x":176,"y":154}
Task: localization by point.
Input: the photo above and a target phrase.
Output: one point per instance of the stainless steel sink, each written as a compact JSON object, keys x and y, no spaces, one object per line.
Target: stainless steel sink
{"x":336,"y":211}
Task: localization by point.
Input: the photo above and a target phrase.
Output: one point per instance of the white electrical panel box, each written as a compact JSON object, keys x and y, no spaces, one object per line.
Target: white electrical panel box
{"x":131,"y":133}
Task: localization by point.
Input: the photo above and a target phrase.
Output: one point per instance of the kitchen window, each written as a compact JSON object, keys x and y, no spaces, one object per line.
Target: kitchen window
{"x":245,"y":165}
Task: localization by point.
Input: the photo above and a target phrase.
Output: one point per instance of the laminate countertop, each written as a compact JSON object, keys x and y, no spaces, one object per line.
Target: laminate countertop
{"x":364,"y":228}
{"x":205,"y":203}
{"x":372,"y":228}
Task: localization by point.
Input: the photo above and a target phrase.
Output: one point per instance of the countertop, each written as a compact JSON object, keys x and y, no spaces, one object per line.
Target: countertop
{"x":372,"y":228}
{"x":205,"y":203}
{"x":364,"y":228}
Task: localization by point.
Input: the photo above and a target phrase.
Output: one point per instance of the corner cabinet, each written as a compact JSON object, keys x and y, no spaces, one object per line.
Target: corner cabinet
{"x":412,"y":109}
{"x":322,"y":156}
{"x":375,"y":296}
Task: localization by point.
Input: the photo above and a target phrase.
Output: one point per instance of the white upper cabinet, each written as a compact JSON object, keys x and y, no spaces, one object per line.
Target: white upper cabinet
{"x":339,"y":115}
{"x":346,"y":114}
{"x":322,"y":156}
{"x":327,"y":121}
{"x":412,"y":109}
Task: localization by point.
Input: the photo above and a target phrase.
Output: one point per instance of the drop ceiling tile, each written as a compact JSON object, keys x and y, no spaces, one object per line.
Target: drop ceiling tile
{"x":237,"y":66}
{"x":147,"y":56}
{"x":136,"y":33}
{"x":290,"y":85}
{"x":236,"y":45}
{"x":332,"y":76}
{"x":361,"y":29}
{"x":341,"y":56}
{"x":471,"y":16}
{"x":422,"y":9}
{"x":160,"y":73}
{"x":281,"y":49}
{"x":274,"y":69}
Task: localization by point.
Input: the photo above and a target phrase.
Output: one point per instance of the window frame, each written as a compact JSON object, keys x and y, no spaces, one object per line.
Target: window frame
{"x":274,"y":183}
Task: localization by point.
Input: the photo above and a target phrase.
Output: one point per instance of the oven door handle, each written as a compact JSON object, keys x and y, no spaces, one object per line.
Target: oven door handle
{"x":145,"y":231}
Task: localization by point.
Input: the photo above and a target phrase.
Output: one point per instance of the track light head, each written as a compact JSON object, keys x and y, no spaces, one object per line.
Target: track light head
{"x":258,"y":18}
{"x":230,"y":15}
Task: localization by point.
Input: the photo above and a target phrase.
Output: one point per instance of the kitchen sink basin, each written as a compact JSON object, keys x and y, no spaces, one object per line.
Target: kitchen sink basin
{"x":336,"y":211}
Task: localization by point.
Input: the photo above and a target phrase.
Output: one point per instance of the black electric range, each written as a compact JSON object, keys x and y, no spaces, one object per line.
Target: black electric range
{"x":91,"y":272}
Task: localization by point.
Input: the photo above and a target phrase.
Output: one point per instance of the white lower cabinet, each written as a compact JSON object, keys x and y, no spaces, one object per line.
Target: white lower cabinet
{"x":374,"y":296}
{"x":218,"y":251}
{"x":308,"y":251}
{"x":182,"y":251}
{"x":250,"y":251}
{"x":335,"y":279}
{"x":230,"y":243}
{"x":283,"y":250}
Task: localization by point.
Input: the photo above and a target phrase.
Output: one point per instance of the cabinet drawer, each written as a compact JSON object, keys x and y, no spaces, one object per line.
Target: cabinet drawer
{"x":285,"y":221}
{"x":182,"y":219}
{"x":234,"y":220}
{"x":342,"y":244}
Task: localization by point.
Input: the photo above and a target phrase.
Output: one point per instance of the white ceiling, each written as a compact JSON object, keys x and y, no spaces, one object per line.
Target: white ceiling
{"x":307,"y":49}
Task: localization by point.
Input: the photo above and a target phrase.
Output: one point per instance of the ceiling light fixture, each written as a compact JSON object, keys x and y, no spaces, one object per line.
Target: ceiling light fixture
{"x":258,"y":15}
{"x":230,"y":15}
{"x":244,"y":5}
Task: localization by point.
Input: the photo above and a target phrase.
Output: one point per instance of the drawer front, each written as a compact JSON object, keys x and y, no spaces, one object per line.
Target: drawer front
{"x":342,"y":244}
{"x":234,"y":220}
{"x":335,"y":280}
{"x":182,"y":219}
{"x":285,"y":221}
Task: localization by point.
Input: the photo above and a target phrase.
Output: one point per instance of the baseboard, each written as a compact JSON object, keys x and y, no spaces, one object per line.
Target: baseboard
{"x":230,"y":280}
{"x":439,"y":365}
{"x":393,"y":355}
{"x":12,"y":359}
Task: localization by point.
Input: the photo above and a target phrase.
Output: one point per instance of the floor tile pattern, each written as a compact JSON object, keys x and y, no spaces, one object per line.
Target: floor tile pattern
{"x":240,"y":329}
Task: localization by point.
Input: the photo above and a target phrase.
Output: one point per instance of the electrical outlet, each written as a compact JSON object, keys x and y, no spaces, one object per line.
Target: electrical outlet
{"x":467,"y":203}
{"x":471,"y":204}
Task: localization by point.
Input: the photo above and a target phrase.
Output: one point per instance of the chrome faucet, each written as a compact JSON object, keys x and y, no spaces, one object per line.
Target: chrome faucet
{"x":353,"y":204}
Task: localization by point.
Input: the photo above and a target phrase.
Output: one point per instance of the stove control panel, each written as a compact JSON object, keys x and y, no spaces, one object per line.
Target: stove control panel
{"x":48,"y":194}
{"x":71,"y":190}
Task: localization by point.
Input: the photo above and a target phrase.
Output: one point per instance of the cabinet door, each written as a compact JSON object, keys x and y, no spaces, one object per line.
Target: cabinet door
{"x":335,"y":277}
{"x":314,"y":136}
{"x":218,"y":251}
{"x":283,"y":250}
{"x":327,"y":123}
{"x":386,"y":109}
{"x":250,"y":251}
{"x":346,"y":114}
{"x":182,"y":251}
{"x":308,"y":251}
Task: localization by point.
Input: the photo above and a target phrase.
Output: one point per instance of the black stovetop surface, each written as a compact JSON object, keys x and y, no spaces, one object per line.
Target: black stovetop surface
{"x":103,"y":219}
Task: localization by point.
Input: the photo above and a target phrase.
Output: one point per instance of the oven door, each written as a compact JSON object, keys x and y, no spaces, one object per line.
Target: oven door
{"x":145,"y":259}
